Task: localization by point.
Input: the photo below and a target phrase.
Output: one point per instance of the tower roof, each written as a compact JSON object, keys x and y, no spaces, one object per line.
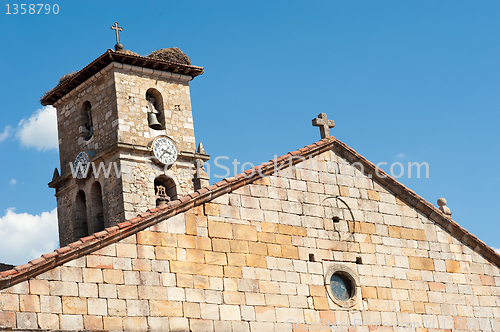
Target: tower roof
{"x":108,"y":57}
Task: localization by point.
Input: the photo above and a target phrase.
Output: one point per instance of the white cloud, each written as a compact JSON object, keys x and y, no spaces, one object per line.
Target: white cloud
{"x":401,"y":155}
{"x":26,"y":236}
{"x":7,"y":131}
{"x":39,"y":130}
{"x":13,"y":182}
{"x":497,"y":250}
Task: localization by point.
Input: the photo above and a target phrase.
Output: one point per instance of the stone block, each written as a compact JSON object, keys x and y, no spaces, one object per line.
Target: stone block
{"x":229,"y":312}
{"x":220,"y":230}
{"x":158,"y":324}
{"x":71,"y":274}
{"x":9,"y":302}
{"x":74,"y":305}
{"x":186,"y":241}
{"x":135,"y":324}
{"x":165,"y":308}
{"x":46,"y":321}
{"x":93,"y":322}
{"x":99,"y":262}
{"x":201,"y":282}
{"x":201,"y":325}
{"x":39,"y":287}
{"x":215,"y":258}
{"x":107,"y":291}
{"x":289,"y":252}
{"x":113,"y":323}
{"x":26,"y":320}
{"x":421,"y":263}
{"x":147,"y":252}
{"x":274,"y":250}
{"x":166,"y":253}
{"x":71,"y":322}
{"x":265,"y":314}
{"x":63,"y":288}
{"x":126,"y":250}
{"x":233,"y":297}
{"x":236,"y":259}
{"x":53,"y":274}
{"x":221,"y":245}
{"x":256,"y":261}
{"x":177,"y":224}
{"x":88,"y":289}
{"x":168,"y":239}
{"x":487,"y":280}
{"x":321,"y":303}
{"x":149,"y":278}
{"x":176,"y":294}
{"x":149,"y":238}
{"x":209,"y":311}
{"x":50,"y":304}
{"x":8,"y":319}
{"x":117,"y":307}
{"x":257,"y":248}
{"x":244,"y":232}
{"x":141,"y":264}
{"x":453,"y":266}
{"x":97,"y":307}
{"x":179,"y":324}
{"x":191,"y":310}
{"x":121,"y":263}
{"x":152,"y":292}
{"x":92,"y":275}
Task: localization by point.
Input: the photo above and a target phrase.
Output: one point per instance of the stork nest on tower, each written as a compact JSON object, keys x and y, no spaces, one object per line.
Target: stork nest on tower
{"x":172,"y":54}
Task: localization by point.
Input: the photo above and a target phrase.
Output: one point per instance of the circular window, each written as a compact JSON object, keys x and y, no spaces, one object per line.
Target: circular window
{"x":341,"y":286}
{"x":341,"y":282}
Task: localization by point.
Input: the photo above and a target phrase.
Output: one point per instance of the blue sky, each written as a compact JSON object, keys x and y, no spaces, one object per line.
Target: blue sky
{"x":405,"y":81}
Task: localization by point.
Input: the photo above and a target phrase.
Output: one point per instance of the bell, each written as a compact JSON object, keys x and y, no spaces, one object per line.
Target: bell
{"x":153,"y":122}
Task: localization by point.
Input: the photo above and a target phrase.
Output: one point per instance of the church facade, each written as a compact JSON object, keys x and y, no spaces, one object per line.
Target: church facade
{"x":304,"y":242}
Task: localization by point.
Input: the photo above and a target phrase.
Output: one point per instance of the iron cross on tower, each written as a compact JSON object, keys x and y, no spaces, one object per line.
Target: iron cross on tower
{"x":115,"y":27}
{"x":324,"y":124}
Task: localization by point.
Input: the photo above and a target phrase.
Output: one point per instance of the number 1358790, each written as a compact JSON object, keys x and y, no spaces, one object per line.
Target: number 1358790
{"x":23,"y":8}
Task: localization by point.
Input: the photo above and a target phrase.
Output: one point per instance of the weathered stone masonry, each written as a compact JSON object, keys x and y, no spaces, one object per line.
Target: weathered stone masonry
{"x":235,"y":256}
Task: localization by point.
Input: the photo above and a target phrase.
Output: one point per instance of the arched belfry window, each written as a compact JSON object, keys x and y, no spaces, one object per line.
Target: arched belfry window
{"x":80,"y":226}
{"x":165,"y":190}
{"x":156,"y":116}
{"x":97,"y":223}
{"x":87,"y":126}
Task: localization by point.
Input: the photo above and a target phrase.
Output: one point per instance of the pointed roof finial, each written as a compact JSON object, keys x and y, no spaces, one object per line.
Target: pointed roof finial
{"x":201,"y":149}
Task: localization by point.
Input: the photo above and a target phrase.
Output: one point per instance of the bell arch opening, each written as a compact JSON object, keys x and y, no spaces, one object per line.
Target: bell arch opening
{"x":87,"y":126}
{"x":97,"y":223}
{"x":80,"y":228}
{"x":156,"y":115}
{"x":165,"y":190}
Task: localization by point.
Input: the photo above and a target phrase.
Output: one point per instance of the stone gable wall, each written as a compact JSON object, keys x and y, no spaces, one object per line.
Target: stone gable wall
{"x":242,"y":263}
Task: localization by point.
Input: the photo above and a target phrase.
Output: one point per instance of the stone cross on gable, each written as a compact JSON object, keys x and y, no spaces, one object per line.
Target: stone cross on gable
{"x":324,"y":124}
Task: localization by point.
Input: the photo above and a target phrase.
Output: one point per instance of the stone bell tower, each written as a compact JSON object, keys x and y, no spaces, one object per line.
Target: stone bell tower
{"x":126,"y":139}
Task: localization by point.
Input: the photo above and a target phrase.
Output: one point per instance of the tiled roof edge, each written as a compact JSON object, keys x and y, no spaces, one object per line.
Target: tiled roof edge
{"x":153,"y":216}
{"x":61,"y":89}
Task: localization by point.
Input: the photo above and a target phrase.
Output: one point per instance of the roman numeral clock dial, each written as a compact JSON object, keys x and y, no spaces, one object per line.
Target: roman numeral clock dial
{"x":164,"y":150}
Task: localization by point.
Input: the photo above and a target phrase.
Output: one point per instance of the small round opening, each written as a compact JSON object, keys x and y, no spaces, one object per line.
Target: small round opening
{"x":342,"y":286}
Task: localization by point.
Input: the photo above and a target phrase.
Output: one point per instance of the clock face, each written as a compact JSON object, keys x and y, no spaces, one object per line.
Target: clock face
{"x":81,"y":165}
{"x":165,"y":150}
